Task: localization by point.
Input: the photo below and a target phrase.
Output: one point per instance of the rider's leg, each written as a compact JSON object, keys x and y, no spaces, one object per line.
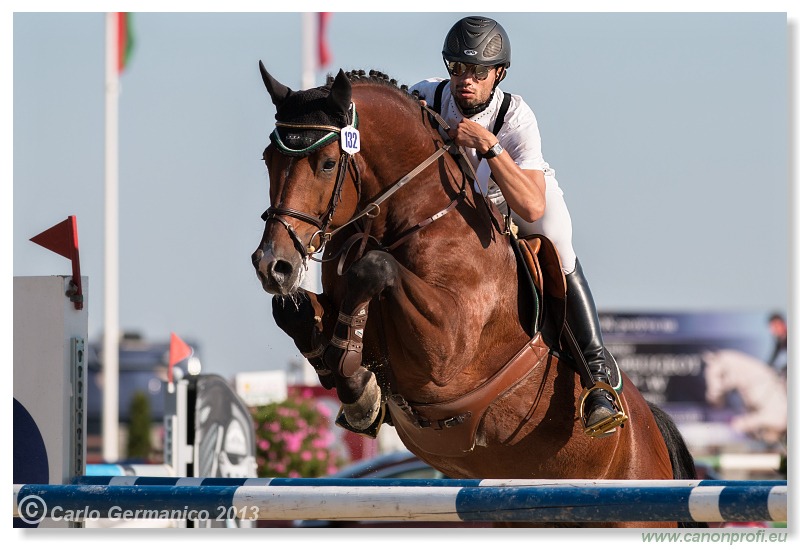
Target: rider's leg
{"x":585,"y":325}
{"x":582,"y":317}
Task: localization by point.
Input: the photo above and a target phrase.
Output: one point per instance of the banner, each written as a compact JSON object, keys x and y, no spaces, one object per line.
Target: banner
{"x":721,"y":376}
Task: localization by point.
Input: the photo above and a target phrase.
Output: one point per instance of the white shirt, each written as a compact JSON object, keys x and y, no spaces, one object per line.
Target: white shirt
{"x":519,"y":135}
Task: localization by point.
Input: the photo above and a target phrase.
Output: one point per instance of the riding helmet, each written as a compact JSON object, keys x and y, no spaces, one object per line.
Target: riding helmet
{"x":478,"y":40}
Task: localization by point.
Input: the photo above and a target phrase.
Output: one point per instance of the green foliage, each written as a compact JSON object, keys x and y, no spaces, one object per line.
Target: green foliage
{"x":293,"y":439}
{"x":139,"y":428}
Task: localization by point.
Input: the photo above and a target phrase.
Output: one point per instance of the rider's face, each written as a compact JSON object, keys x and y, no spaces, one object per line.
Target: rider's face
{"x":468,"y":91}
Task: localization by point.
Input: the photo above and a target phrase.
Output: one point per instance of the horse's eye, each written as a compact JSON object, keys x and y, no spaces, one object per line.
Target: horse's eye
{"x":328,"y":165}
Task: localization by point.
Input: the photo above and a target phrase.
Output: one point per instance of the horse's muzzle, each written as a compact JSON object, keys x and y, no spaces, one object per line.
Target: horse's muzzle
{"x":277,"y":275}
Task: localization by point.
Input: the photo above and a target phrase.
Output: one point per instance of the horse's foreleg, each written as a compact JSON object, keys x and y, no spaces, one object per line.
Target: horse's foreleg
{"x":303,"y":317}
{"x":356,"y":386}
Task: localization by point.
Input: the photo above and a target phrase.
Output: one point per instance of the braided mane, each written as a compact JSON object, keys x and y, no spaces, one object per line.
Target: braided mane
{"x":357,"y":77}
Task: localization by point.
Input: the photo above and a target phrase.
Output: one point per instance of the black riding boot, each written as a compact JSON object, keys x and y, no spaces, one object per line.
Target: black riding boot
{"x":584,"y":323}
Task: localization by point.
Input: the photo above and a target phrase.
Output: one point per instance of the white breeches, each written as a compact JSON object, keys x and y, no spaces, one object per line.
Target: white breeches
{"x":556,"y":223}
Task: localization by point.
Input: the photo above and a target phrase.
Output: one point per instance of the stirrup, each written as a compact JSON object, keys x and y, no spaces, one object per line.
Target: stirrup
{"x":608,"y":425}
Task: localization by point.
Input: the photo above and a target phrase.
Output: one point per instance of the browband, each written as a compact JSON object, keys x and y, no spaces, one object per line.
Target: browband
{"x":331,"y":134}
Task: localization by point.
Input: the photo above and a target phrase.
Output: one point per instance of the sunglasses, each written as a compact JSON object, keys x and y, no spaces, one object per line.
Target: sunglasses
{"x":457,"y":68}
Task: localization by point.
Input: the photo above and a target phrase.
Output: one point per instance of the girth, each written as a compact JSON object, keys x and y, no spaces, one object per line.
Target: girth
{"x":449,"y":428}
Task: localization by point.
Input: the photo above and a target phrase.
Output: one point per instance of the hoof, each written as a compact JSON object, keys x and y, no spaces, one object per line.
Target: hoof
{"x":362,"y":414}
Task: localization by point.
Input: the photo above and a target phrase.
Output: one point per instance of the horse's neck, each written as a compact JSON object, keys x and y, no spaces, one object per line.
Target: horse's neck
{"x":396,"y":142}
{"x":460,"y":254}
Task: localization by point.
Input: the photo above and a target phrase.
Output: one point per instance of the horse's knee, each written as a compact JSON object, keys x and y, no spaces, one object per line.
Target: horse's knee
{"x":373,"y":273}
{"x":301,"y":317}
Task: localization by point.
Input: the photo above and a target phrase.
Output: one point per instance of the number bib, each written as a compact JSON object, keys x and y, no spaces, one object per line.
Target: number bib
{"x":351,"y":140}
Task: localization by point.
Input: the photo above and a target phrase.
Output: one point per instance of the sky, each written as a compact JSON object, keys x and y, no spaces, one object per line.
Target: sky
{"x":667,"y":131}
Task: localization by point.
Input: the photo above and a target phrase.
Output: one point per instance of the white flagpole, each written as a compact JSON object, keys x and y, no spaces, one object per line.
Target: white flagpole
{"x":309,"y":76}
{"x":111,"y":290}
{"x":312,"y":280}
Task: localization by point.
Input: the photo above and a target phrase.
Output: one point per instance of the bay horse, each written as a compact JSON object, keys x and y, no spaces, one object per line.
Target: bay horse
{"x":421,"y":287}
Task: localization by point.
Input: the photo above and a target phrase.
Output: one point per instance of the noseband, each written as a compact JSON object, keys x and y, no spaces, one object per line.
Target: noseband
{"x":322,"y":223}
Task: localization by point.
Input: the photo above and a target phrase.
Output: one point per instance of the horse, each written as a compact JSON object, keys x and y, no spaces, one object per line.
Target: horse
{"x":423,"y":320}
{"x":760,"y":387}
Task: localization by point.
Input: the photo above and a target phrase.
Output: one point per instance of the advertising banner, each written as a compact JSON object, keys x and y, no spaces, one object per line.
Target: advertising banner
{"x":720,"y":375}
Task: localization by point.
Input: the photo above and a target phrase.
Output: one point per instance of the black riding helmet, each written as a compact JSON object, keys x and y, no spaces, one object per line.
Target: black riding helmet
{"x":479,"y":41}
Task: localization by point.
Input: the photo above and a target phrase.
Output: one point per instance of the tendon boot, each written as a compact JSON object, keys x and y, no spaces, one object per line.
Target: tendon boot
{"x":600,"y":408}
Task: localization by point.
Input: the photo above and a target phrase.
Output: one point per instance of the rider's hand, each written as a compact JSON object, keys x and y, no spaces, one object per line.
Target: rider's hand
{"x":471,"y":134}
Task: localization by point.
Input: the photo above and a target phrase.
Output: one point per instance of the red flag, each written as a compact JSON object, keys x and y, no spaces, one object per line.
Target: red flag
{"x":124,"y":39}
{"x":62,"y":239}
{"x":178,"y":351}
{"x":324,"y":56}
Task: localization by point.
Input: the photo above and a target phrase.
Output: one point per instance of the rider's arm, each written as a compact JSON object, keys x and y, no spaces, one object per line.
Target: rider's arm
{"x":523,"y":190}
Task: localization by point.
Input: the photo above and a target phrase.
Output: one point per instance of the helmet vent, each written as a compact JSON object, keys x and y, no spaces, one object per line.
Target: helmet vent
{"x":452,"y":42}
{"x":494,"y":47}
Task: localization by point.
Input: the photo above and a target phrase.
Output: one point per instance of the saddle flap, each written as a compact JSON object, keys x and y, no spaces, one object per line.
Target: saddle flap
{"x":544,"y":264}
{"x":529,"y":249}
{"x":555,"y":283}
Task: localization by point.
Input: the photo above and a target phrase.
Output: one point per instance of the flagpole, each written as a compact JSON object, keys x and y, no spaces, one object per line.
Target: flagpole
{"x":111,"y":256}
{"x":312,"y":280}
{"x":309,"y":76}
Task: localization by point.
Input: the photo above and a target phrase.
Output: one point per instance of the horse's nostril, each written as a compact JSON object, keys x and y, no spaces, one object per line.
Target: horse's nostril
{"x":282,"y":267}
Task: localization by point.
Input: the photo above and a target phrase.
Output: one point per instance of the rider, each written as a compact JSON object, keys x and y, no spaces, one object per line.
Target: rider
{"x":477,"y":54}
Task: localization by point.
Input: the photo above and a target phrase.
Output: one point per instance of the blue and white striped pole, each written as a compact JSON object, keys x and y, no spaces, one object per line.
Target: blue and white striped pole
{"x":118,"y":477}
{"x":599,"y":503}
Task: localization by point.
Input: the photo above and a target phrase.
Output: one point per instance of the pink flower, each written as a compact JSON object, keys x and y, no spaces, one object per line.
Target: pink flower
{"x":263,"y":444}
{"x":320,"y":455}
{"x":294,"y":474}
{"x":305,"y":455}
{"x":293,"y":442}
{"x":306,"y":393}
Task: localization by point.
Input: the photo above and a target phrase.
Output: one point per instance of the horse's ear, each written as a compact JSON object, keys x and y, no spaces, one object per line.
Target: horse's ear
{"x":277,"y":91}
{"x":341,"y":93}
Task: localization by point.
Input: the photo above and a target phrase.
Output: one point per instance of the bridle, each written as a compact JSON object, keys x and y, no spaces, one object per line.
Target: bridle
{"x":280,"y":213}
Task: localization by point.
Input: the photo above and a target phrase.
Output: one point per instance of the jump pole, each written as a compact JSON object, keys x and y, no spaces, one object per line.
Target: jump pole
{"x":490,"y":503}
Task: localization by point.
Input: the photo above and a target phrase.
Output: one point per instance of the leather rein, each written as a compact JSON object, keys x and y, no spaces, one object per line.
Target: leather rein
{"x":280,"y":213}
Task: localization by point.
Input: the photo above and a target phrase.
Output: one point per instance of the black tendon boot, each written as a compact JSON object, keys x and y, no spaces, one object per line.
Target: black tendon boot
{"x":601,"y":413}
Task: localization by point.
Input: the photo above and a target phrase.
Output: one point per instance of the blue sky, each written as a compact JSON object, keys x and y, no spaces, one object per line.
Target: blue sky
{"x":668,"y":133}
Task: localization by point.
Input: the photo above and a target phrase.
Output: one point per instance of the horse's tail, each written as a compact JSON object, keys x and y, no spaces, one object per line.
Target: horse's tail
{"x":679,"y":455}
